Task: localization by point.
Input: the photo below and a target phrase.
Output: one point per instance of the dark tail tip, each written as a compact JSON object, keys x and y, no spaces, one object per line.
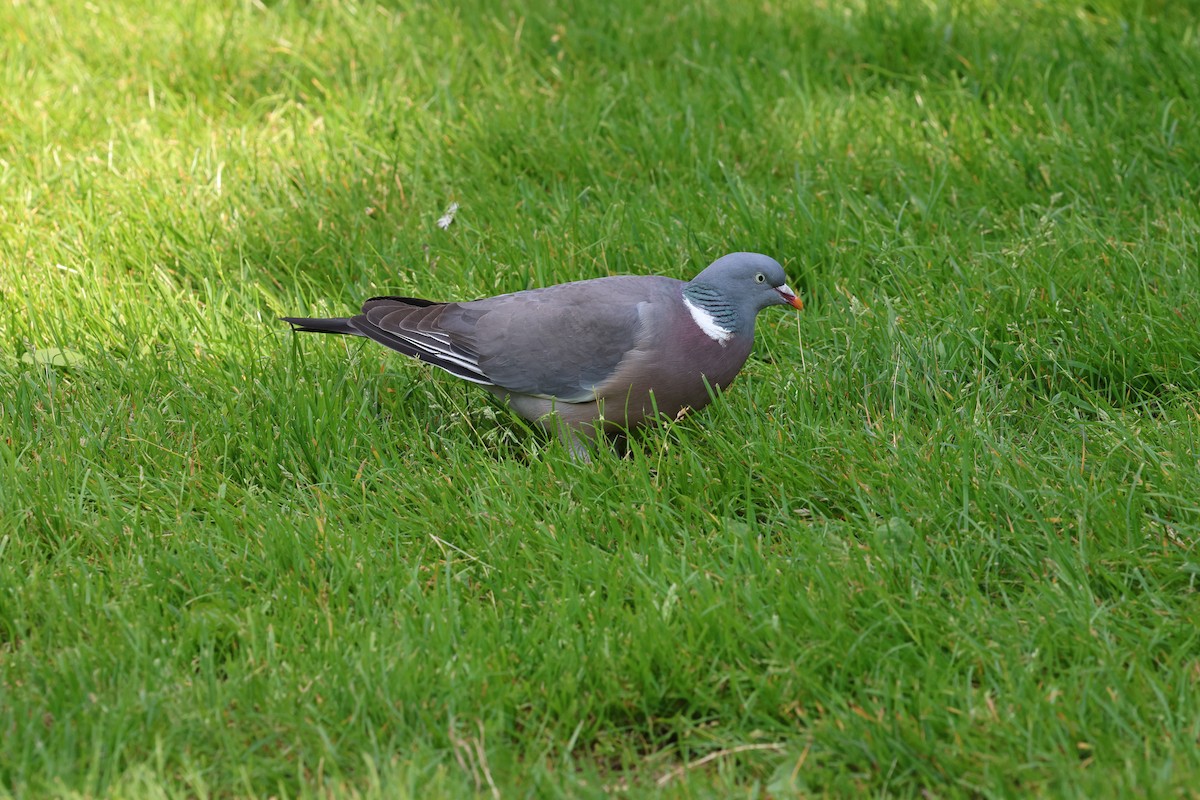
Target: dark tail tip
{"x":343,"y":325}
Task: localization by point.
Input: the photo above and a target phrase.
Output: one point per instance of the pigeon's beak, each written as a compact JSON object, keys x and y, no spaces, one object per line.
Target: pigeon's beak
{"x":787,"y":294}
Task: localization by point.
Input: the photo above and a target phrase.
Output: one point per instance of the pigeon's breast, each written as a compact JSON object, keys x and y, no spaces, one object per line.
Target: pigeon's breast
{"x":675,"y":367}
{"x":717,"y":360}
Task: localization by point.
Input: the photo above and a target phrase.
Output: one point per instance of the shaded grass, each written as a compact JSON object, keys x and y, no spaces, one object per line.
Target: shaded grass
{"x":938,"y":538}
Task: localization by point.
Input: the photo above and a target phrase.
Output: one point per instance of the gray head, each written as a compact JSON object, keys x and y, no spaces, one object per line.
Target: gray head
{"x":734,"y":288}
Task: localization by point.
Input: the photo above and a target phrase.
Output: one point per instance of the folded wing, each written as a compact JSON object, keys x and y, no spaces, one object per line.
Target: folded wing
{"x":562,"y":342}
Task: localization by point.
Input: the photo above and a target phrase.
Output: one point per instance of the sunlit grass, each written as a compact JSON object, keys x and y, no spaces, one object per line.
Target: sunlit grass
{"x":939,"y":537}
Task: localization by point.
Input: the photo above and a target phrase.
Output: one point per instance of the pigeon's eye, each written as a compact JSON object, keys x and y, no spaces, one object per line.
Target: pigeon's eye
{"x":759,"y":278}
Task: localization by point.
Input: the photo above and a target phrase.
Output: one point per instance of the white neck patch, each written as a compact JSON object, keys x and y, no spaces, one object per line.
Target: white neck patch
{"x":708,"y":323}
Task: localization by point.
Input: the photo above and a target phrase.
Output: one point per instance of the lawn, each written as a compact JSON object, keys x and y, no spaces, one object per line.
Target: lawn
{"x":941,"y":538}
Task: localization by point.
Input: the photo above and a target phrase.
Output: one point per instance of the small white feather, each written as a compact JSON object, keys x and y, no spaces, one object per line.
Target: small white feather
{"x":445,"y":219}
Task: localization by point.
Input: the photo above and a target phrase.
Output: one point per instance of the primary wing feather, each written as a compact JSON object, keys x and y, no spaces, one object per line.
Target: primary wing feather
{"x":413,"y":330}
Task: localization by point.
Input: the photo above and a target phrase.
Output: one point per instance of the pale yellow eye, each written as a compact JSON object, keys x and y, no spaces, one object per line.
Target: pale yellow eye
{"x":759,"y":278}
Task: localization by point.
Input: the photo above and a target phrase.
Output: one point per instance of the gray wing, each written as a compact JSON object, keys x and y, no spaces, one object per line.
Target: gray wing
{"x":560,"y":342}
{"x":413,"y":327}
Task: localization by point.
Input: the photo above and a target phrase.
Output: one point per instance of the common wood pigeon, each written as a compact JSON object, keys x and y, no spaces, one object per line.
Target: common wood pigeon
{"x":608,"y":353}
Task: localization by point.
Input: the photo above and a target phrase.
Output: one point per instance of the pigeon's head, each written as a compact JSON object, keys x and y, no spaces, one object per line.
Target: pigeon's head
{"x":750,"y":280}
{"x":741,"y":285}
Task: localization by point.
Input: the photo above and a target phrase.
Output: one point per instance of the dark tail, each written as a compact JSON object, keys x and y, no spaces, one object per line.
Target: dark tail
{"x":344,"y":325}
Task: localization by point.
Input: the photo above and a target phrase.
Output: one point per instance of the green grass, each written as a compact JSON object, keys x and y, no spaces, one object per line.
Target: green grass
{"x":939,"y":539}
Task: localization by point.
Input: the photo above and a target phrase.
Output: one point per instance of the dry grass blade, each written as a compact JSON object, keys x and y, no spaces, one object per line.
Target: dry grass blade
{"x":713,"y":756}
